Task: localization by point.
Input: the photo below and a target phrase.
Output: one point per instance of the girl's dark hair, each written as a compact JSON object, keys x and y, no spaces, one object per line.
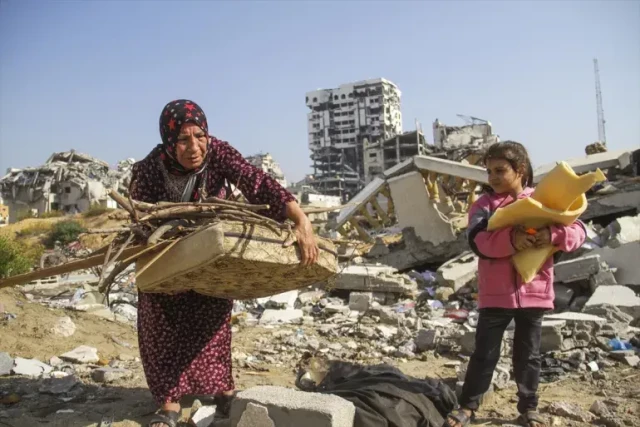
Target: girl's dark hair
{"x":517,"y":156}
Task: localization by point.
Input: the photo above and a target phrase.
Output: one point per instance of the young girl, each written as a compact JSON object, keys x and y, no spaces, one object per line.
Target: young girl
{"x":501,"y":294}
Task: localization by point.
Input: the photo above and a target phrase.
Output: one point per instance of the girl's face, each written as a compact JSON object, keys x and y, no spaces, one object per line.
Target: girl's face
{"x":503,"y":178}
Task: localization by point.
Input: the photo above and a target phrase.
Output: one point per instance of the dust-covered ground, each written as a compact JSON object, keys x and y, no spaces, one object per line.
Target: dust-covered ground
{"x":129,"y":402}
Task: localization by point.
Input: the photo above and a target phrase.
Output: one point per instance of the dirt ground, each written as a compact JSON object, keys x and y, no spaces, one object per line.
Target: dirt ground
{"x":129,"y":401}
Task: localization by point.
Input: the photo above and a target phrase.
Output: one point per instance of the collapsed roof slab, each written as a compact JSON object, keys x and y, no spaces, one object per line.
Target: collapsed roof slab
{"x":360,"y":200}
{"x":441,"y":166}
{"x":610,"y":159}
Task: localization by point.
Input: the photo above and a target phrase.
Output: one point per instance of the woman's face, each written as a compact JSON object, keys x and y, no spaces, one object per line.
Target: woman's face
{"x":503,"y":178}
{"x":191,"y":147}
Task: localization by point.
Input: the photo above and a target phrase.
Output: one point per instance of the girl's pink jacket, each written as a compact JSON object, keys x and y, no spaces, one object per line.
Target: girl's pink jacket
{"x":500,"y":286}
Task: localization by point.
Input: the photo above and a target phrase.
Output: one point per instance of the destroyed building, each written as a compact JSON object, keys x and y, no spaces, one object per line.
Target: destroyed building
{"x":68,"y":182}
{"x":266,"y":163}
{"x":339,"y":122}
{"x":383,"y":155}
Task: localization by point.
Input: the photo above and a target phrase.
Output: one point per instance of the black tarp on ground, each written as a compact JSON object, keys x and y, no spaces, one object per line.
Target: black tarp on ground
{"x":385,"y":397}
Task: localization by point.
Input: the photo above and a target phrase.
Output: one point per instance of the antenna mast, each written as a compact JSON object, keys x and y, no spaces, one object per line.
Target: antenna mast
{"x":602,"y":137}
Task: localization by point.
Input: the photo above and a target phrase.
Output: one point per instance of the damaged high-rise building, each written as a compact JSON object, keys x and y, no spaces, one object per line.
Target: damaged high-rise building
{"x":341,"y":120}
{"x":69,"y":182}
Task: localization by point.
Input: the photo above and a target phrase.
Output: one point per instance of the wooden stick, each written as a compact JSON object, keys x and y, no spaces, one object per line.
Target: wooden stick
{"x":114,"y":273}
{"x":160,"y":231}
{"x":171,"y":212}
{"x":122,"y":202}
{"x":236,"y":204}
{"x":106,"y":261}
{"x":81,"y":264}
{"x":106,"y":230}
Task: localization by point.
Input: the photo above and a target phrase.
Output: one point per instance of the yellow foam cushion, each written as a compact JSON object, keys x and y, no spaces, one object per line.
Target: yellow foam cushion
{"x":558,"y":199}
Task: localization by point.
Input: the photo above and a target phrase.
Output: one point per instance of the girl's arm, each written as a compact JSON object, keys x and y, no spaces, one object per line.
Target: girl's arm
{"x":568,"y":238}
{"x":488,"y":244}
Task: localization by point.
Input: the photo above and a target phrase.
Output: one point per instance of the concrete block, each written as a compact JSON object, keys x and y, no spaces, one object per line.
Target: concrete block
{"x":620,"y":296}
{"x":459,"y":271}
{"x":292,"y":408}
{"x":6,"y":364}
{"x":82,"y":354}
{"x":373,"y":278}
{"x":360,"y":301}
{"x":576,"y":269}
{"x":602,"y":278}
{"x":255,"y":416}
{"x":551,"y":338}
{"x":283,"y":300}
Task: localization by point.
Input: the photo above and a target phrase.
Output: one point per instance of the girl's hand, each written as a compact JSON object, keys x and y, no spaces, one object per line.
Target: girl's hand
{"x":522,"y":240}
{"x":543,"y":237}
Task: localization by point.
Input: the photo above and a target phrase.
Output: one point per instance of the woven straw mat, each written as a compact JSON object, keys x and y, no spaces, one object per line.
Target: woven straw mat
{"x":235,"y":260}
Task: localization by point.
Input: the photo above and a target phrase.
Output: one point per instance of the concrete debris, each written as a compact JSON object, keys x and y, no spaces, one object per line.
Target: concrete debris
{"x":255,"y":416}
{"x":577,"y":269}
{"x":621,"y":231}
{"x":69,"y":182}
{"x":619,"y":296}
{"x":30,"y":367}
{"x":204,"y":416}
{"x":374,"y":278}
{"x":459,"y":271}
{"x":572,"y":411}
{"x":289,"y":407}
{"x":82,"y":354}
{"x":64,"y":327}
{"x":109,"y":375}
{"x":272,"y":316}
{"x":59,"y":385}
{"x":6,"y":364}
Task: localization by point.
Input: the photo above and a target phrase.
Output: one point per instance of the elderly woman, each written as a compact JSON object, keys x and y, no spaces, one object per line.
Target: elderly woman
{"x":185,"y":339}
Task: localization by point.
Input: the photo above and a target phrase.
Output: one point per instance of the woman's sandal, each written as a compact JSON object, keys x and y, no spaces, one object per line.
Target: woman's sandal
{"x":531,"y":419}
{"x":168,"y":418}
{"x":460,"y":417}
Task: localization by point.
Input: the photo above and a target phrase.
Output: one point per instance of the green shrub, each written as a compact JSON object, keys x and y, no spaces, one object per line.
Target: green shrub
{"x":52,"y":214}
{"x":65,"y":232}
{"x":96,"y":209}
{"x":17,"y":257}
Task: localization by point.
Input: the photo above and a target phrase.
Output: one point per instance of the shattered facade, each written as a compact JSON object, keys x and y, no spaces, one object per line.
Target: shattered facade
{"x":383,"y":155}
{"x":266,"y":163}
{"x":69,"y":182}
{"x":340,"y":121}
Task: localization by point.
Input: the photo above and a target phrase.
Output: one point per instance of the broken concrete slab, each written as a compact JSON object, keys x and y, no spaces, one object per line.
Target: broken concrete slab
{"x":373,"y":278}
{"x":620,"y":296}
{"x":82,"y":354}
{"x":58,"y":385}
{"x":602,"y":278}
{"x":109,"y":375}
{"x":610,"y":312}
{"x":30,"y":367}
{"x":290,"y":315}
{"x":572,"y":411}
{"x":551,"y":338}
{"x":621,"y":231}
{"x":6,"y":364}
{"x":625,"y":260}
{"x":288,"y":407}
{"x":576,"y":317}
{"x":459,"y":271}
{"x":610,"y":159}
{"x":576,"y":269}
{"x":280,"y":301}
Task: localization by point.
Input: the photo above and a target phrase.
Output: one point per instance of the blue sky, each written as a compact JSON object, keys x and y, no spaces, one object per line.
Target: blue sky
{"x":94,"y":75}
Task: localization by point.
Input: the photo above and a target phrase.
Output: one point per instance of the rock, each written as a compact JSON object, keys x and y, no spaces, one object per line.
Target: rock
{"x":360,"y":301}
{"x":426,"y":340}
{"x":270,"y":316}
{"x":459,"y":271}
{"x":633,"y":361}
{"x":600,"y":409}
{"x":55,"y":361}
{"x":6,"y":364}
{"x":64,"y":327}
{"x":30,"y":367}
{"x":255,"y":416}
{"x":468,"y":343}
{"x":204,"y":416}
{"x":572,"y":411}
{"x":108,"y":375}
{"x":386,"y":331}
{"x":82,"y":354}
{"x":443,"y":294}
{"x":58,"y":385}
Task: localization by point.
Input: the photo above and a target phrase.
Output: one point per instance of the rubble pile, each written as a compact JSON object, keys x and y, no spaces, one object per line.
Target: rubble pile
{"x":69,"y":182}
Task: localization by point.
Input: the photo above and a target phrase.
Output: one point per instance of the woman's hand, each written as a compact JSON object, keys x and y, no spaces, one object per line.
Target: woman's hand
{"x":521,"y":239}
{"x":304,"y":234}
{"x":307,"y":242}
